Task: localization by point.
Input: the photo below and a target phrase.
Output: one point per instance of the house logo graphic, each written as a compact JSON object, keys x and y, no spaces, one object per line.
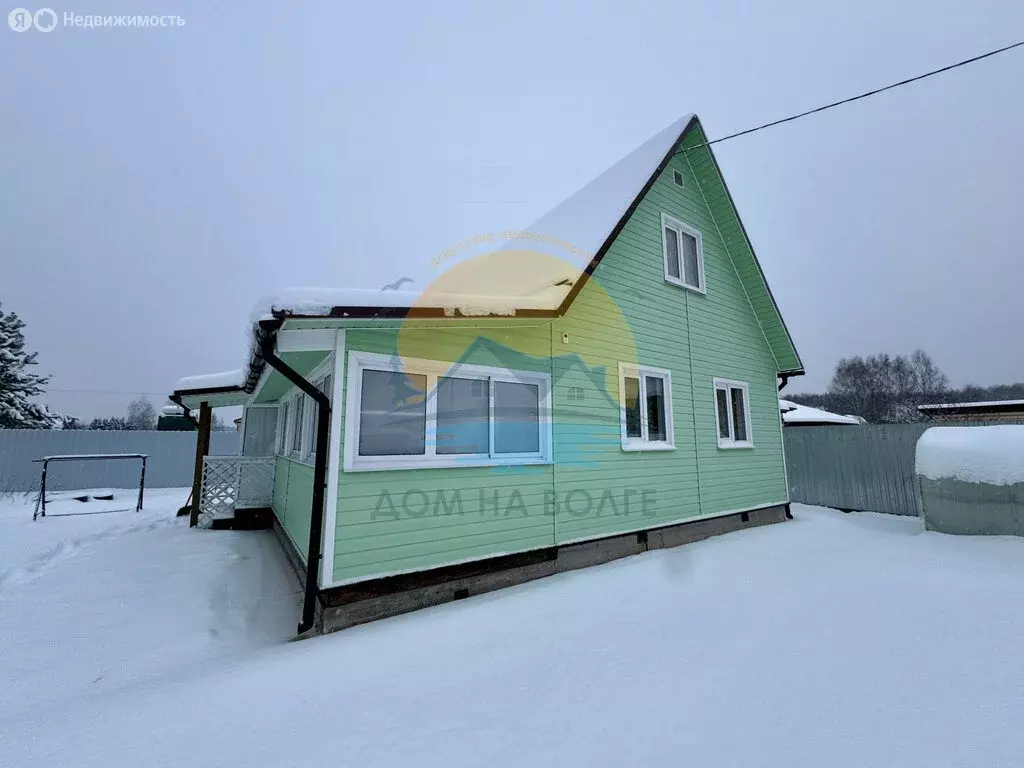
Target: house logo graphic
{"x":583,"y":384}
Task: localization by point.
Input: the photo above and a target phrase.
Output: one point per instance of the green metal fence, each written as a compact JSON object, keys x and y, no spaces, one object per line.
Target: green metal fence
{"x":870,"y":467}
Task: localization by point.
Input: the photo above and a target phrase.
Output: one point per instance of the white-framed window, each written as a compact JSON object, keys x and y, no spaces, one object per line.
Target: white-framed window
{"x":645,"y":413}
{"x":410,"y":413}
{"x":282,"y":429}
{"x":298,"y":422}
{"x":683,"y":253}
{"x":732,"y":414}
{"x":259,"y":430}
{"x":324,"y":385}
{"x":677,"y":177}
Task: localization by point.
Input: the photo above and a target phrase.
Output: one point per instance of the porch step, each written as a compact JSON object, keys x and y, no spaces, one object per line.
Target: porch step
{"x":254,"y":519}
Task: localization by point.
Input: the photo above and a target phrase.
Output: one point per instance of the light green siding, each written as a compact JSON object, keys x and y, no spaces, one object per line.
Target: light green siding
{"x":403,"y":520}
{"x":293,"y":498}
{"x":397,"y":520}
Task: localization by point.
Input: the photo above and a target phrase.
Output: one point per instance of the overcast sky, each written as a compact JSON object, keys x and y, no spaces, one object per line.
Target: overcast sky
{"x":157,"y":182}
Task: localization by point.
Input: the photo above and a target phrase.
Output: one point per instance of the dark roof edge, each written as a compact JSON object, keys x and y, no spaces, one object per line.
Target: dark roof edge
{"x":208,"y":391}
{"x":990,"y":407}
{"x":753,"y":253}
{"x":617,"y":229}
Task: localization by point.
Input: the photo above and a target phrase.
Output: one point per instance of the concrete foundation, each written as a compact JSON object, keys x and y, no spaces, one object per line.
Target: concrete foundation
{"x":343,"y":607}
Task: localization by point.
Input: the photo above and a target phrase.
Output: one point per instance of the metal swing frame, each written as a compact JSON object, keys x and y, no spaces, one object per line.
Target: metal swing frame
{"x":40,"y":510}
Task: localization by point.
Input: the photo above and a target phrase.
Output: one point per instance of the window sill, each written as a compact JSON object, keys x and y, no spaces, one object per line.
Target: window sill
{"x":729,"y":445}
{"x":686,"y":287}
{"x":384,"y":466}
{"x":644,"y":447}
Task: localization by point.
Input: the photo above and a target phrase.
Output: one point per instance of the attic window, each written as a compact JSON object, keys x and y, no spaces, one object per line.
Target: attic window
{"x":684,"y":254}
{"x":677,"y":177}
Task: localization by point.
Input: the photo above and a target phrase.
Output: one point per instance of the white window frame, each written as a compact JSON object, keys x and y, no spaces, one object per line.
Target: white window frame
{"x":726,"y":385}
{"x":284,"y":415}
{"x":432,"y":369}
{"x":293,"y":410}
{"x":681,"y":228}
{"x":641,"y":443}
{"x":677,"y":177}
{"x":309,"y":451}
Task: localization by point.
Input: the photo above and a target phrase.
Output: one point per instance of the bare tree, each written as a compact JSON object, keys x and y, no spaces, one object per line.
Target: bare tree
{"x":885,"y":388}
{"x":141,"y":414}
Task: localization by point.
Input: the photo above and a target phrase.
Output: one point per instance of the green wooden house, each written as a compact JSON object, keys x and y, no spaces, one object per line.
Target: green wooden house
{"x":600,"y":384}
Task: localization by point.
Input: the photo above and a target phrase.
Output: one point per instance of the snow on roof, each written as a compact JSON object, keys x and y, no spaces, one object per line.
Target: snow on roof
{"x":572,"y":233}
{"x":225,"y":380}
{"x":319,"y":302}
{"x":795,"y":413}
{"x":173,"y":410}
{"x":984,"y":404}
{"x":992,"y":455}
{"x":585,"y":219}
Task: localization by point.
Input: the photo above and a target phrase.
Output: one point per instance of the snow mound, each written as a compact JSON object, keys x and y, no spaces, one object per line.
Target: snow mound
{"x":992,"y":455}
{"x":223,"y":380}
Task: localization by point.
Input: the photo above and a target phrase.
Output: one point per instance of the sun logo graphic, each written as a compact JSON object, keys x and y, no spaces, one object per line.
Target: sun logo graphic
{"x":522,"y":380}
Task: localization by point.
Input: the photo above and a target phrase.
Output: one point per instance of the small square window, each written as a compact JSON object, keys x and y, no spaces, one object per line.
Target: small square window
{"x":677,"y":177}
{"x":683,"y":253}
{"x":646,"y":408}
{"x":732,"y":412}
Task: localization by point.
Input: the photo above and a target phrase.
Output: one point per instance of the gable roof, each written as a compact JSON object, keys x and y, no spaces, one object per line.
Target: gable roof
{"x":578,"y":232}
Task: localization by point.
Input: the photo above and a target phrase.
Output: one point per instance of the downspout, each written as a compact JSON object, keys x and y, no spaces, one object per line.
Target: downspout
{"x":785,"y":381}
{"x":316,"y":516}
{"x":176,"y":399}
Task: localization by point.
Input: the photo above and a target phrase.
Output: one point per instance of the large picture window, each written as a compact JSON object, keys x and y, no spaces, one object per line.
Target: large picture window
{"x":645,"y":395}
{"x":423,"y":413}
{"x":732,"y":412}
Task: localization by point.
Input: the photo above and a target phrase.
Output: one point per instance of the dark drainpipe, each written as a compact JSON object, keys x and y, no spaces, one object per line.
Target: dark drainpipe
{"x":176,"y":399}
{"x":316,"y":519}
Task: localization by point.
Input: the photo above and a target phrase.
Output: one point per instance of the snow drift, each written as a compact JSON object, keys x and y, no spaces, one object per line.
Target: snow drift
{"x":993,"y":455}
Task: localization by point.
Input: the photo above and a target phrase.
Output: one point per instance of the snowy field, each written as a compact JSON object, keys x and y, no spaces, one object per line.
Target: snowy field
{"x":833,"y":640}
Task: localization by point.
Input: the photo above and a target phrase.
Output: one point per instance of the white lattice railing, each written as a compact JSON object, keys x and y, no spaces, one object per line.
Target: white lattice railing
{"x":232,"y":482}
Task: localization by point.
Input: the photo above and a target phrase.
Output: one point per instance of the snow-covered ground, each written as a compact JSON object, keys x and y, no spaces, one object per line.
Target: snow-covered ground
{"x":833,"y":640}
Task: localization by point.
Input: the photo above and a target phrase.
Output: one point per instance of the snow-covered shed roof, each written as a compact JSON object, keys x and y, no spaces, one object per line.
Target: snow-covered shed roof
{"x":804,"y":415}
{"x":224,"y":380}
{"x":217,"y":389}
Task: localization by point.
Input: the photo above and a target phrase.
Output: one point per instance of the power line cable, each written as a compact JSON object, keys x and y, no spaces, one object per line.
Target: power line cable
{"x":858,"y":97}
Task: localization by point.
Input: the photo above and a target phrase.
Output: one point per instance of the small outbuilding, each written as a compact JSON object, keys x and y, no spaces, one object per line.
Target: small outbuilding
{"x":991,"y":411}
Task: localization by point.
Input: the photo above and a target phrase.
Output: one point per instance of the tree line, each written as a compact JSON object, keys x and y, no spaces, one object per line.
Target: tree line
{"x":20,"y":386}
{"x":884,"y":388}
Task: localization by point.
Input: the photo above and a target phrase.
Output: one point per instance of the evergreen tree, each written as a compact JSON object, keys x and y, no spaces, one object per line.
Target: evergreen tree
{"x":18,"y":385}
